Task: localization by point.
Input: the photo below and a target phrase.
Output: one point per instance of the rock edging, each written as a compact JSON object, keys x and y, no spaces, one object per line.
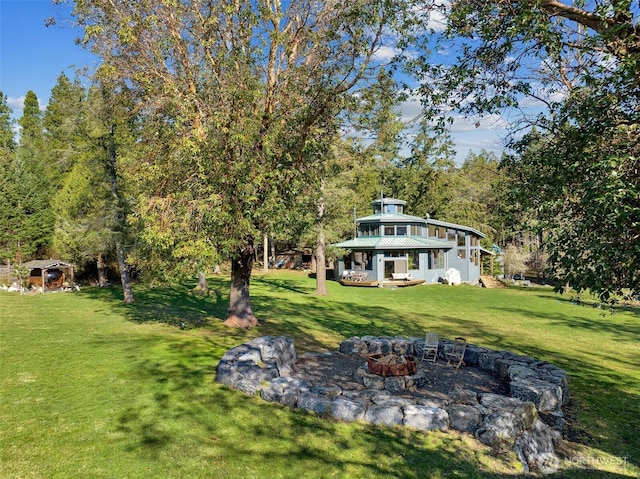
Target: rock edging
{"x":538,"y":390}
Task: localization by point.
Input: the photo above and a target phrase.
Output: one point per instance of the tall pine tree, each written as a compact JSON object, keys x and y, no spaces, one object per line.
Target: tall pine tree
{"x":7,"y":187}
{"x":31,"y":225}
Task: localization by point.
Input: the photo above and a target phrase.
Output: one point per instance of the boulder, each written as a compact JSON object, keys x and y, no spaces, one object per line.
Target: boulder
{"x":354,"y":346}
{"x":278,"y":349}
{"x":497,"y":401}
{"x":395,"y":383}
{"x":252,"y":355}
{"x":417,"y":380}
{"x":373,"y":381}
{"x":502,"y":366}
{"x":545,"y":395}
{"x":463,"y":396}
{"x":472,"y":354}
{"x":464,"y":418}
{"x":381,"y":345}
{"x":402,"y":346}
{"x":426,"y":418}
{"x":431,"y":402}
{"x":386,"y":415}
{"x":347,"y":410}
{"x":499,"y":427}
{"x":248,"y":386}
{"x":487,"y":360}
{"x":520,"y":371}
{"x":535,"y":448}
{"x":314,"y":402}
{"x":250,"y":371}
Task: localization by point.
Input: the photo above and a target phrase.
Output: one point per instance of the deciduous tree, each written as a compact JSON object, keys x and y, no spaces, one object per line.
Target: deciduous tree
{"x":243,"y":94}
{"x":577,"y":177}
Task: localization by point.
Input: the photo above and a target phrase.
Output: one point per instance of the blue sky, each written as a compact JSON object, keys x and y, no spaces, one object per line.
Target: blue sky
{"x":32,"y":56}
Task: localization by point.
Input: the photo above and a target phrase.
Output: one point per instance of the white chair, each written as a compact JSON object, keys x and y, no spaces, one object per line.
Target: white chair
{"x":431,"y":342}
{"x":457,"y":354}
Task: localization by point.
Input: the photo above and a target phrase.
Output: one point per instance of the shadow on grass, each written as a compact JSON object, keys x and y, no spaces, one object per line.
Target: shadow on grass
{"x":240,"y":429}
{"x":317,"y":324}
{"x":177,"y":305}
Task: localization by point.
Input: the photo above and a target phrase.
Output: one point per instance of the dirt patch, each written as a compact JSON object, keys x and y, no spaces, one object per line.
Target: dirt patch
{"x":339,"y":369}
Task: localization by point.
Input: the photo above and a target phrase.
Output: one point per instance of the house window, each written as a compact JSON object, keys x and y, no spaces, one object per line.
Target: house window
{"x":393,"y":209}
{"x":462,"y":253}
{"x":362,"y":260}
{"x":433,"y":232}
{"x":389,"y":231}
{"x":401,"y":231}
{"x":369,"y":230}
{"x":461,"y":239}
{"x":414,"y":260}
{"x":395,"y":254}
{"x":436,"y":259}
{"x":417,"y":230}
{"x":475,"y":257}
{"x":441,"y":232}
{"x":451,"y":235}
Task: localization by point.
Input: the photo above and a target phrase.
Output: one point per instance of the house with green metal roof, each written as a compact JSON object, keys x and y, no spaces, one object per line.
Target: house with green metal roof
{"x":393,"y":247}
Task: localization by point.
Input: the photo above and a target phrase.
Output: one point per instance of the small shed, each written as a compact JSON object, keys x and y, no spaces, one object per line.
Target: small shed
{"x":53,"y":274}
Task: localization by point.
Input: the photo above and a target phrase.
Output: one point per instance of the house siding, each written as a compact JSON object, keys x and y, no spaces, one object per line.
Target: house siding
{"x":458,"y":245}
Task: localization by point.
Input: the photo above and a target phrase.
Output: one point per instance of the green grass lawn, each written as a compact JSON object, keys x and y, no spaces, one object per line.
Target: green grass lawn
{"x":93,"y":388}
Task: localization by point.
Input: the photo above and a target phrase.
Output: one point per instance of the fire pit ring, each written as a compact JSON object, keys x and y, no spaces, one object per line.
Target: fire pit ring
{"x":391,"y":365}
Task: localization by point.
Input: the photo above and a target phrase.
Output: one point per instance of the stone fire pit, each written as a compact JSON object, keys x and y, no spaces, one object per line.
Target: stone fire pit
{"x":391,"y":365}
{"x":529,"y":417}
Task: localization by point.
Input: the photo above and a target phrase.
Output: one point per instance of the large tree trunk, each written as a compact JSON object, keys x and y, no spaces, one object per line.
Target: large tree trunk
{"x":102,"y":271}
{"x":265,"y":253}
{"x":321,"y":263}
{"x":124,"y":275}
{"x":202,"y":286}
{"x":321,"y":266}
{"x":240,"y":314}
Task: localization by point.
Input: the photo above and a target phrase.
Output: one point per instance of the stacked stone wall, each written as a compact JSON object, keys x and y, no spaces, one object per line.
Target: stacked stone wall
{"x":266,"y":367}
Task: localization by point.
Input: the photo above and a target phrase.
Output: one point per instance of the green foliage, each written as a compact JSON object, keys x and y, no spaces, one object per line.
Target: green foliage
{"x":63,"y":124}
{"x":477,"y":195}
{"x":239,"y":107}
{"x":86,"y":209}
{"x":31,"y":128}
{"x":582,"y":186}
{"x":7,"y":141}
{"x":576,"y":184}
{"x":26,"y":188}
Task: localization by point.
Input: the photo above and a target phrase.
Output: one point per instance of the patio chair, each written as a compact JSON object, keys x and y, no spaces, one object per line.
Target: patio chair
{"x":431,"y":342}
{"x":456,"y":356}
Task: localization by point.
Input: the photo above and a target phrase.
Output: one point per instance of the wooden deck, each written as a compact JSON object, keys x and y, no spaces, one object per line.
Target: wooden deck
{"x":383,"y":284}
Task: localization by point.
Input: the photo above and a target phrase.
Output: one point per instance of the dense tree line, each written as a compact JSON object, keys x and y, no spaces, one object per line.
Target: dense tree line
{"x":209,"y":126}
{"x":75,"y":154}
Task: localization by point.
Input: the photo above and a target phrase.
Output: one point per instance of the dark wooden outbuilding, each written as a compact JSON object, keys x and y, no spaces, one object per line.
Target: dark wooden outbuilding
{"x":53,"y":274}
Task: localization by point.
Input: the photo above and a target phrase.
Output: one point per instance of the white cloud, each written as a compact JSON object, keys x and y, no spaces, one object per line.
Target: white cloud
{"x":385,"y":53}
{"x":16,"y":103}
{"x":438,"y":16}
{"x":410,"y":109}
